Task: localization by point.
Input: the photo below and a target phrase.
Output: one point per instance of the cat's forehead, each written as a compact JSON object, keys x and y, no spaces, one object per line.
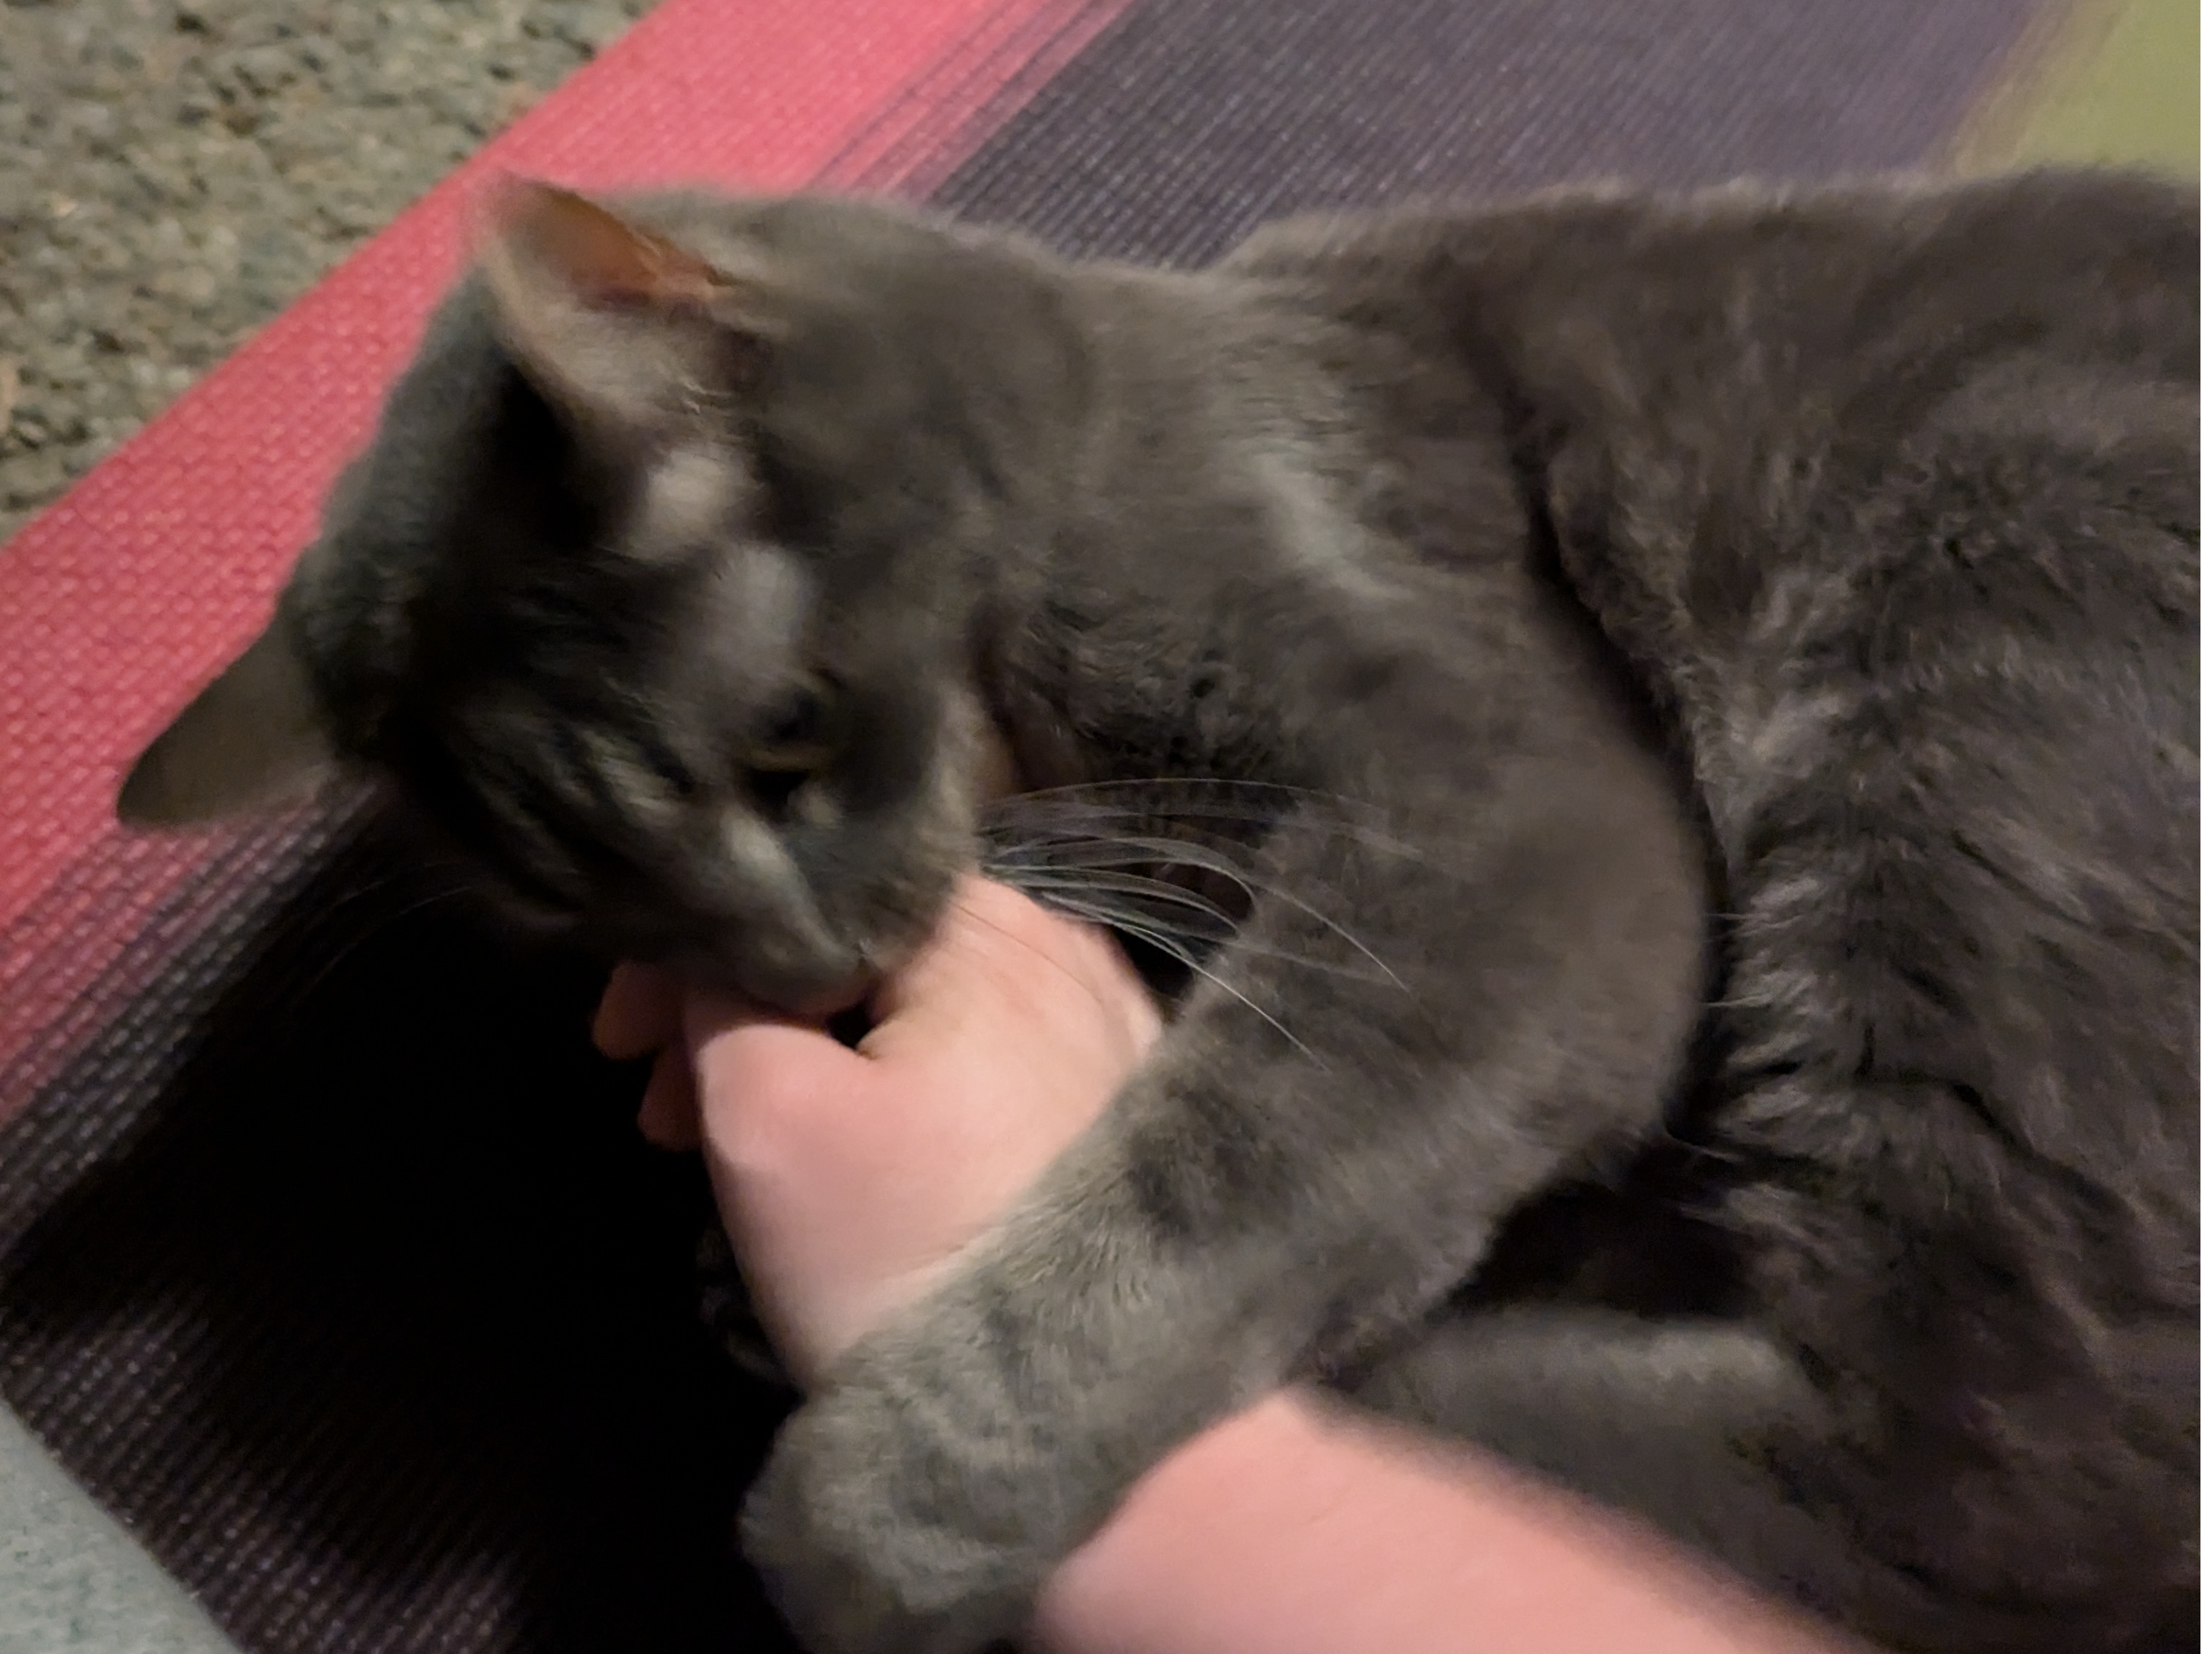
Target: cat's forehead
{"x":753,"y":612}
{"x":690,"y":496}
{"x":476,"y":497}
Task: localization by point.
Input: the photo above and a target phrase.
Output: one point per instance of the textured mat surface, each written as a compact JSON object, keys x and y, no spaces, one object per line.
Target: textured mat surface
{"x":328,"y":1257}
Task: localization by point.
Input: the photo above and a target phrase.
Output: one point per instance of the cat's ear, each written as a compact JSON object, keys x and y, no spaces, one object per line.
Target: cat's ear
{"x":597,"y":310}
{"x":255,"y":735}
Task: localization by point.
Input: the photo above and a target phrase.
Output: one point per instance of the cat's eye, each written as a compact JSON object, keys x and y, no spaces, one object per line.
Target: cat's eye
{"x":797,"y":732}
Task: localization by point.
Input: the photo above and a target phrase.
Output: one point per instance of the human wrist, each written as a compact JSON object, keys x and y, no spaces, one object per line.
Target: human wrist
{"x":1130,"y":1588}
{"x":1301,"y":1527}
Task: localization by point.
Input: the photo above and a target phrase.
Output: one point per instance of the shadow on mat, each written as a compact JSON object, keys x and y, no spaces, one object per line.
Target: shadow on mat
{"x":373,"y":1316}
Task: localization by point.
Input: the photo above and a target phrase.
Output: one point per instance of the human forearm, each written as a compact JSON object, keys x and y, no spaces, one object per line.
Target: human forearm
{"x":1299,"y":1526}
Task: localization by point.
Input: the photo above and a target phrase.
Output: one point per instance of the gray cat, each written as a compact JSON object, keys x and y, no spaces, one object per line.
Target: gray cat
{"x":1665,"y":729}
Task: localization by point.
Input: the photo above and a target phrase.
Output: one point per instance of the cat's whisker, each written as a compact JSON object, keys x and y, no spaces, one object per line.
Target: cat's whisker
{"x":1129,"y":883}
{"x":1153,"y":791}
{"x":1039,"y":812}
{"x":297,"y":993}
{"x":1094,"y":885}
{"x":1055,"y":890}
{"x":1142,"y":851}
{"x":980,"y":917}
{"x":1183,"y":955}
{"x":454,"y":884}
{"x":1186,"y":791}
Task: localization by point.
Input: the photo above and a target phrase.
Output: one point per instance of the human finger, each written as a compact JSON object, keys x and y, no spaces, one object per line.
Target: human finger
{"x":668,"y":1113}
{"x":1001,"y":961}
{"x":753,"y":1068}
{"x":640,"y":1012}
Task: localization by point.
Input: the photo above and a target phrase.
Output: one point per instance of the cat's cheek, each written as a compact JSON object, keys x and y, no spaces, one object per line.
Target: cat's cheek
{"x":971,"y":768}
{"x":977,"y":765}
{"x":993,"y":776}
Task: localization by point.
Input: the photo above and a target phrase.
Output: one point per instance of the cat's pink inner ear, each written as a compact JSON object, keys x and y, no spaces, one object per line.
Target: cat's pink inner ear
{"x":598,"y":255}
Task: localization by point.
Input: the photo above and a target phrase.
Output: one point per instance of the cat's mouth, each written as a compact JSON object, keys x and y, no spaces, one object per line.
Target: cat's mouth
{"x":805,"y":959}
{"x":812,"y":989}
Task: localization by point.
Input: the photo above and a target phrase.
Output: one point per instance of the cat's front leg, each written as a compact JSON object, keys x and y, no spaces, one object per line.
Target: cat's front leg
{"x":918,"y":1500}
{"x":1320,"y":1149}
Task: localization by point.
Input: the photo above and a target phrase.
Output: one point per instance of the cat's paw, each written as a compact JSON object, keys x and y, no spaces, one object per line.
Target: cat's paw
{"x":868,"y":1527}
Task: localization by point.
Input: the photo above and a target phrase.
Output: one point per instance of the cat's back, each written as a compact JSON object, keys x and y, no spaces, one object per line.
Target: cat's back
{"x":1577,"y":292}
{"x":1698,"y":389}
{"x":2087,"y":266}
{"x":1889,"y":494}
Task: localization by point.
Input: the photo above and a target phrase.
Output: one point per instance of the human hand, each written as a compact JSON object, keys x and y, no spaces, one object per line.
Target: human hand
{"x":848,"y":1179}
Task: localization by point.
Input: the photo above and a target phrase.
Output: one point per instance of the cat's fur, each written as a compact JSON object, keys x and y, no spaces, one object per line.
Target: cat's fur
{"x":1714,"y":685}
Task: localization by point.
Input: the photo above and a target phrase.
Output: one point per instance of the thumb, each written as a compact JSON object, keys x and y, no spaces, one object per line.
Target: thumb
{"x":759,"y":1074}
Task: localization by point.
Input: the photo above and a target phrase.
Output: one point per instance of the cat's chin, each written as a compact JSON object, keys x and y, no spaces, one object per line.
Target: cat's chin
{"x":805,"y":1000}
{"x":830,"y":1004}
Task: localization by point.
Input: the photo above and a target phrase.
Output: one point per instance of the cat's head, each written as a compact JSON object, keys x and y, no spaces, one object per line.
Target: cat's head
{"x":656,"y":590}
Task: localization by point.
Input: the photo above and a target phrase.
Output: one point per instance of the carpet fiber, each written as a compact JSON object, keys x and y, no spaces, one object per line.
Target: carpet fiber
{"x":329,"y":1259}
